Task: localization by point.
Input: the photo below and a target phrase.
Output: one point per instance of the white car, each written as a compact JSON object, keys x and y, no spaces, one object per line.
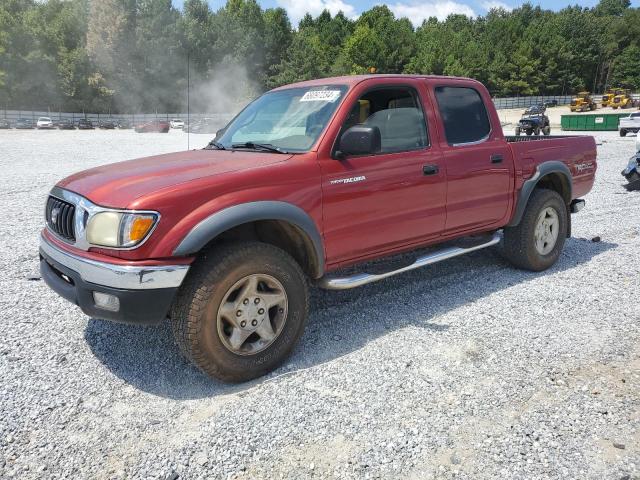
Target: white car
{"x":44,"y":122}
{"x":630,"y":124}
{"x":176,"y":123}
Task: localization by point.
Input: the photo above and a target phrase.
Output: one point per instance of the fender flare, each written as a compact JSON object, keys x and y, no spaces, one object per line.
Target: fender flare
{"x":545,"y":168}
{"x":230,"y":217}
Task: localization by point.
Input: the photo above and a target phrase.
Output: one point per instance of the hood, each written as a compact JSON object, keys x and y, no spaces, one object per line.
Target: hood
{"x":119,"y":184}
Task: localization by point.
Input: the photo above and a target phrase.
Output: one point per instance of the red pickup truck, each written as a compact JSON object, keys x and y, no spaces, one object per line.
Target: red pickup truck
{"x":306,"y":180}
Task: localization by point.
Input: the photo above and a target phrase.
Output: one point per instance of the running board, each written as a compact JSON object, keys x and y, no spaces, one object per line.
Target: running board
{"x":359,"y":279}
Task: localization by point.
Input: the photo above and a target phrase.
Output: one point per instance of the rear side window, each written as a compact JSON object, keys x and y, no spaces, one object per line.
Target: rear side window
{"x":463,"y":114}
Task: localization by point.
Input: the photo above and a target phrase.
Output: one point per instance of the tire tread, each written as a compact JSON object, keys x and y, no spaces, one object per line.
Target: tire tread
{"x":192,"y":299}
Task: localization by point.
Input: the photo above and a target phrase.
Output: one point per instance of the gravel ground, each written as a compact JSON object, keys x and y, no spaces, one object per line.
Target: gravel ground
{"x":469,"y":369}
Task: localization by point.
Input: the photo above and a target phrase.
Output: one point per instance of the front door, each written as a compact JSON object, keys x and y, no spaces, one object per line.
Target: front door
{"x":393,"y":198}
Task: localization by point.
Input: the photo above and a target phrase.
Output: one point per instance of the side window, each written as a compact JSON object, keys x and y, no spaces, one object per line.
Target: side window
{"x":397,"y":112}
{"x":463,"y":114}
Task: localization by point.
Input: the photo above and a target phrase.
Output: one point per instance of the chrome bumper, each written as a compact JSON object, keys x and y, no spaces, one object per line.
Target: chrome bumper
{"x":117,"y":276}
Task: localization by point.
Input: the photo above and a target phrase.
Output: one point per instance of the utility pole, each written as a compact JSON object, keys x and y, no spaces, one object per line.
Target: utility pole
{"x":188,"y":100}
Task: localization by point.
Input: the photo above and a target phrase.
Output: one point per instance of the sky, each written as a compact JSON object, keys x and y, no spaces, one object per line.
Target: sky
{"x":415,"y":10}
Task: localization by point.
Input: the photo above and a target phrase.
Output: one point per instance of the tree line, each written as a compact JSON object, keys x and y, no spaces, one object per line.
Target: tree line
{"x":132,"y":55}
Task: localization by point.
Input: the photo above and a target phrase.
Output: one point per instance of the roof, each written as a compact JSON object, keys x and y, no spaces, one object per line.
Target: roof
{"x":351,"y":80}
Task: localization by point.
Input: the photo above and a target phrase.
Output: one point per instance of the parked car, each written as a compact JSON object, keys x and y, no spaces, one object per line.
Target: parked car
{"x":203,"y":125}
{"x":66,"y":124}
{"x":551,"y":103}
{"x":629,"y":124}
{"x":124,"y":124}
{"x":176,"y":123}
{"x":159,"y":126}
{"x":85,"y":124}
{"x":107,"y":124}
{"x":534,"y":121}
{"x":4,"y":123}
{"x":226,"y":240}
{"x":44,"y":123}
{"x":24,"y":123}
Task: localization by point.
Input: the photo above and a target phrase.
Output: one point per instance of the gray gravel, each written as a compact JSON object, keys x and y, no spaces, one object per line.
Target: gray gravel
{"x":467,"y":370}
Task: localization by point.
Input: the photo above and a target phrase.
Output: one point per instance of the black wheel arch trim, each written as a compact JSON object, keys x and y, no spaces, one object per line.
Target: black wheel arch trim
{"x":544,"y":169}
{"x":223,"y":220}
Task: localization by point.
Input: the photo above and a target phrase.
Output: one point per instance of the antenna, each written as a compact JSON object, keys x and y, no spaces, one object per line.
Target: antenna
{"x":188,"y":105}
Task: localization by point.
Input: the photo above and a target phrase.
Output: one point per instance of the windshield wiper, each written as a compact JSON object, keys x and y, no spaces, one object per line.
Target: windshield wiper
{"x":218,"y":145}
{"x":259,"y":146}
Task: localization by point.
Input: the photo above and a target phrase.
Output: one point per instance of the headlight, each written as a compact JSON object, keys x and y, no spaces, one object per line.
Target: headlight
{"x":118,"y":229}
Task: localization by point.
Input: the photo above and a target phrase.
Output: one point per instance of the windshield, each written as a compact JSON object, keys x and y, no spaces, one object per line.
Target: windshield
{"x":290,"y":119}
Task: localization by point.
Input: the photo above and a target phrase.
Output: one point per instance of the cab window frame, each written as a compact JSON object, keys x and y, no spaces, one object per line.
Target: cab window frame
{"x":391,"y":86}
{"x":483,"y":139}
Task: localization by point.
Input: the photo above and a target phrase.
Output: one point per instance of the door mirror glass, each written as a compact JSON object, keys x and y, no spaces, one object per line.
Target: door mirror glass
{"x":360,"y":140}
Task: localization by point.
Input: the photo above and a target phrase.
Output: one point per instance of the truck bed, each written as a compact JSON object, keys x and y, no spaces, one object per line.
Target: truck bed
{"x":577,"y":152}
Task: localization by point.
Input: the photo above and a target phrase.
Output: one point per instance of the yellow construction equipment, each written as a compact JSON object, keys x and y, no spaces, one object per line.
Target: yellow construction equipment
{"x":622,"y":99}
{"x":607,"y":98}
{"x":582,"y":103}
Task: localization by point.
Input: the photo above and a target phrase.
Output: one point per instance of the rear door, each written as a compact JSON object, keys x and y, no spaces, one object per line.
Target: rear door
{"x":478,"y":160}
{"x":394,"y":198}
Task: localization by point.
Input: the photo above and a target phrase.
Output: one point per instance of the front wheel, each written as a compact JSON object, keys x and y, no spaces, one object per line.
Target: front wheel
{"x":241,"y":311}
{"x":537,"y":241}
{"x":623,"y":132}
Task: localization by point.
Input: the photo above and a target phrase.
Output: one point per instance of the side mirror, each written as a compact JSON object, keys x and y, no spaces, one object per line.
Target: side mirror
{"x":359,"y":140}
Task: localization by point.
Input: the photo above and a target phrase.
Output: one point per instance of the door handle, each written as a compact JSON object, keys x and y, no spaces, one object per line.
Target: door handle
{"x":497,"y":158}
{"x":430,"y":169}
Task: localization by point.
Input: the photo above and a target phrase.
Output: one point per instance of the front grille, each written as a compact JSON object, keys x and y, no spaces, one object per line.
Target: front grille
{"x":60,"y":216}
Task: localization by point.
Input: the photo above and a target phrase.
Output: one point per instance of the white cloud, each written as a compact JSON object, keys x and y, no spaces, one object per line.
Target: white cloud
{"x":297,"y":9}
{"x":419,"y":11}
{"x":491,"y":4}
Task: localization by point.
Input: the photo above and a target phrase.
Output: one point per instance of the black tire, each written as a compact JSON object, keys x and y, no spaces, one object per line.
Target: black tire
{"x":537,"y":131}
{"x":194,"y":313}
{"x":546,"y":130}
{"x":517,"y":131}
{"x":529,"y":132}
{"x":623,"y":132}
{"x":519,"y":241}
{"x":634,"y":182}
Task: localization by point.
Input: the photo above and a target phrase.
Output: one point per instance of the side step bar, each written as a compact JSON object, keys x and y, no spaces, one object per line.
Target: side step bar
{"x":359,"y":279}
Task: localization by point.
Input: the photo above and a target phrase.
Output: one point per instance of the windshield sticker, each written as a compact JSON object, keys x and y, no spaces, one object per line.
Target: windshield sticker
{"x":321,"y":96}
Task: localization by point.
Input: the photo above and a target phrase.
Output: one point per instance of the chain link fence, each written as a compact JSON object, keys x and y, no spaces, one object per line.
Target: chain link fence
{"x":224,"y":118}
{"x":524,"y":102}
{"x":13,"y":115}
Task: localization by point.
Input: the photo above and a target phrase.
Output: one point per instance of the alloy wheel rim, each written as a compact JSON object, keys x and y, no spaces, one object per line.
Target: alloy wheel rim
{"x":546,"y":231}
{"x":252,"y":314}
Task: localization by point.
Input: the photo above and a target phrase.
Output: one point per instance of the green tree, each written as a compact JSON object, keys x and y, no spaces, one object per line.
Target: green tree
{"x":278,"y":36}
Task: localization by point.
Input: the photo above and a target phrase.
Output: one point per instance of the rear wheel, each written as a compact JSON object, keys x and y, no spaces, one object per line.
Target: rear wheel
{"x":241,"y":310}
{"x":537,"y":241}
{"x":546,"y":130}
{"x":623,"y":132}
{"x":529,"y":132}
{"x":537,"y":131}
{"x":518,"y":131}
